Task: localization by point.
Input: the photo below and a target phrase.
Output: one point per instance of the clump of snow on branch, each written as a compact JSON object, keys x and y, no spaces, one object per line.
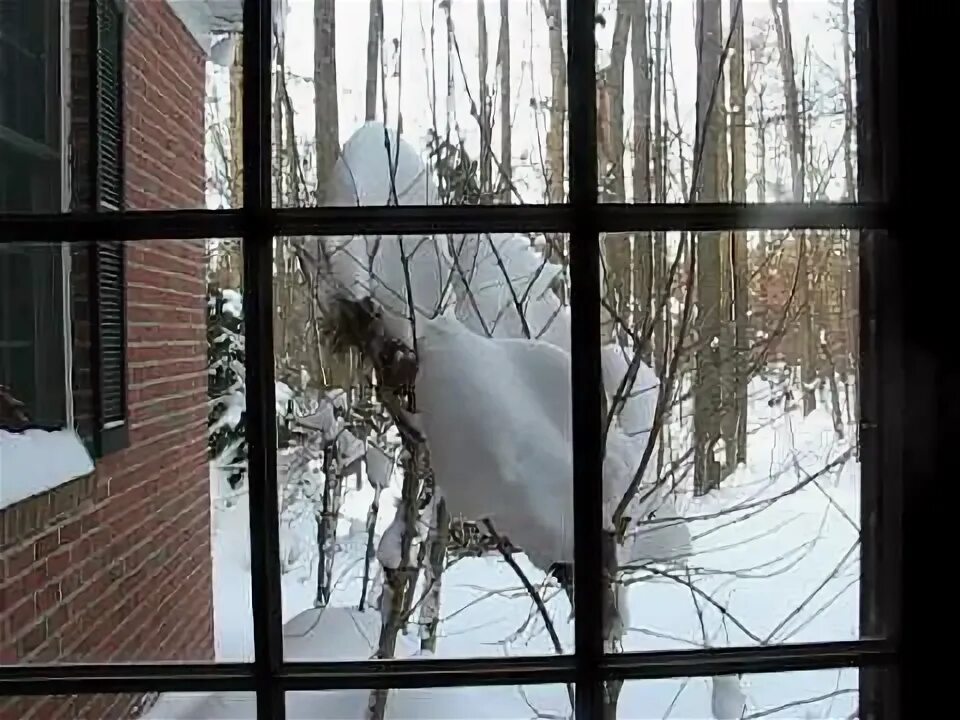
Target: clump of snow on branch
{"x":493,"y":344}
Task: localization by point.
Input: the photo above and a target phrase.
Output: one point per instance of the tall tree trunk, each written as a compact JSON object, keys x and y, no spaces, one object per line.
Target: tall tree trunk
{"x":486,"y":120}
{"x":643,"y":246}
{"x":610,"y":172}
{"x":553,"y":9}
{"x":852,"y":249}
{"x":707,"y":187}
{"x":280,"y":289}
{"x":327,"y":123}
{"x":762,"y":164}
{"x":739,"y":256}
{"x":396,"y":583}
{"x":795,"y":140}
{"x":506,"y":140}
{"x":610,"y":132}
{"x":663,"y":324}
{"x":236,"y":127}
{"x":327,"y":520}
{"x":433,"y":574}
{"x":374,"y":41}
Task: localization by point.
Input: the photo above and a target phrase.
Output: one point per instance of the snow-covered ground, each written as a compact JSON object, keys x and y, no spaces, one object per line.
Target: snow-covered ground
{"x":775,"y":559}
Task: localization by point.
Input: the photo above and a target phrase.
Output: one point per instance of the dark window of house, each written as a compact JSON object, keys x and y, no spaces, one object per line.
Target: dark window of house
{"x":31,"y":300}
{"x":32,"y":350}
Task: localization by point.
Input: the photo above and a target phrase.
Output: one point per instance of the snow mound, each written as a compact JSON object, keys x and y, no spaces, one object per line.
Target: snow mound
{"x":36,"y":461}
{"x":497,"y":417}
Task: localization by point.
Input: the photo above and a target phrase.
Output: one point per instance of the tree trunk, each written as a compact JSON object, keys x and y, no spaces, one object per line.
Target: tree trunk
{"x":739,"y":254}
{"x":643,"y":246}
{"x":553,"y":9}
{"x":396,"y":583}
{"x":610,"y":132}
{"x":486,"y":120}
{"x":327,"y":523}
{"x":781,"y":22}
{"x":236,"y":127}
{"x":662,"y":324}
{"x":506,"y":140}
{"x":707,"y":187}
{"x":374,"y":40}
{"x":762,"y":165}
{"x":433,"y":575}
{"x":370,"y":554}
{"x":327,"y":124}
{"x":610,"y":172}
{"x":852,"y":249}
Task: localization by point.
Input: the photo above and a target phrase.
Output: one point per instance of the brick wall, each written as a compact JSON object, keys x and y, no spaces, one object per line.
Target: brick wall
{"x":116,"y":567}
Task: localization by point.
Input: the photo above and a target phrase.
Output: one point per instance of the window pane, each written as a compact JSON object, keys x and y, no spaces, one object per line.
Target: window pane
{"x":478,"y":90}
{"x":385,"y":547}
{"x":135,"y":551}
{"x":32,"y":334}
{"x":499,"y":701}
{"x":30,"y":145}
{"x":141,"y":111}
{"x":148,"y":706}
{"x":773,"y":92}
{"x":739,"y":522}
{"x":833,"y":694}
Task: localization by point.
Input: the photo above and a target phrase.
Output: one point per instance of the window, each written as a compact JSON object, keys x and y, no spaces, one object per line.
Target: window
{"x":41,"y":290}
{"x":32,"y":366}
{"x":593,"y":672}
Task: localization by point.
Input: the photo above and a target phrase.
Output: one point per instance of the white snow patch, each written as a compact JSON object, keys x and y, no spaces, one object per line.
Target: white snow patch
{"x":36,"y":461}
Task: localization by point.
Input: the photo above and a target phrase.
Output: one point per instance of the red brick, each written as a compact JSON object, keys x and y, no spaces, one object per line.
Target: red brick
{"x":46,"y":544}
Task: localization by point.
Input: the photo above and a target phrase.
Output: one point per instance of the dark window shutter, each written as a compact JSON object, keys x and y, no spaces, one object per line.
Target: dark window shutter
{"x":109,"y":256}
{"x":109,"y":106}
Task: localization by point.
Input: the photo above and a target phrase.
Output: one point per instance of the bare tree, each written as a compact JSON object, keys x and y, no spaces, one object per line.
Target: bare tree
{"x":797,"y":148}
{"x":235,"y":173}
{"x":553,"y":10}
{"x":374,"y":41}
{"x":739,"y":256}
{"x":643,"y":247}
{"x":326,"y":113}
{"x":506,"y":139}
{"x":708,"y":184}
{"x":484,"y":111}
{"x":852,"y":250}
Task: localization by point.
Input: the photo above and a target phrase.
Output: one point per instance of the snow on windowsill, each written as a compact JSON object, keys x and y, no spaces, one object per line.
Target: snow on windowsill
{"x":33,"y":462}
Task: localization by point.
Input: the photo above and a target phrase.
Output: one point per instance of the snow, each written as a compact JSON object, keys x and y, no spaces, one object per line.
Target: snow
{"x":760,"y":547}
{"x":380,"y":465}
{"x":232,"y":302}
{"x":36,"y":461}
{"x":498,"y":424}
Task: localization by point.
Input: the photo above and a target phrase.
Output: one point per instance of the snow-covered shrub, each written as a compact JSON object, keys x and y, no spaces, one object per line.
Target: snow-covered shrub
{"x":226,"y":385}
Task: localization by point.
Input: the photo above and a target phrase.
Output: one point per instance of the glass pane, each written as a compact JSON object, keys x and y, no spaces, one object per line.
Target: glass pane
{"x":155,"y":126}
{"x":731,"y":448}
{"x":148,"y":706}
{"x":477,"y":89}
{"x":833,"y":694}
{"x":499,"y":701}
{"x":772,"y":93}
{"x":426,"y":492}
{"x":125,"y":542}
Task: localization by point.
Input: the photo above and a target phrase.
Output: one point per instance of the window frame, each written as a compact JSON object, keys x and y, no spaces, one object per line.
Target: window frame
{"x":885,"y":434}
{"x":108,"y":435}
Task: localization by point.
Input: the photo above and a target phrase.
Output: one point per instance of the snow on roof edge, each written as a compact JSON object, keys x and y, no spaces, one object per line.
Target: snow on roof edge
{"x":34,"y":462}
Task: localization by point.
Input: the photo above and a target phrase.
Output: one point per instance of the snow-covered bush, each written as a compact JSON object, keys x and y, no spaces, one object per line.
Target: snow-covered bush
{"x":226,"y":386}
